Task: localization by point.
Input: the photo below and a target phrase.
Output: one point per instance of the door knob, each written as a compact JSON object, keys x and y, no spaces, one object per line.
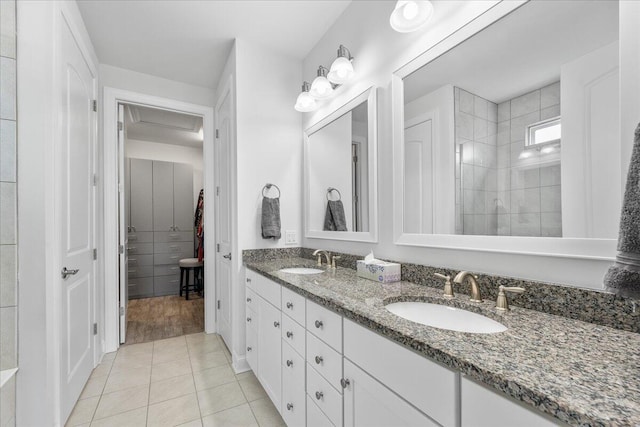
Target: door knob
{"x":66,"y":273}
{"x":227,"y":256}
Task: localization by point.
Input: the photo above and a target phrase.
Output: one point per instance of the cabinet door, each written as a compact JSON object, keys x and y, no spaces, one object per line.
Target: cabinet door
{"x":367,"y":403}
{"x":162,"y":196}
{"x":270,"y":353}
{"x":183,"y":205}
{"x":141,"y":195}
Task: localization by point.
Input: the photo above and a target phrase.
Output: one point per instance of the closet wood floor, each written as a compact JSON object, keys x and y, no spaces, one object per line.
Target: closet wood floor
{"x":152,"y":319}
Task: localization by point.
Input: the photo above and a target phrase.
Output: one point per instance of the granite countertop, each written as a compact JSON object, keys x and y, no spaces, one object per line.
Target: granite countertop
{"x":580,"y":373}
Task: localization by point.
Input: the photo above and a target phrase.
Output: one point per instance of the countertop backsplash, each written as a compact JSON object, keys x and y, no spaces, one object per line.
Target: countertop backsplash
{"x":598,"y":307}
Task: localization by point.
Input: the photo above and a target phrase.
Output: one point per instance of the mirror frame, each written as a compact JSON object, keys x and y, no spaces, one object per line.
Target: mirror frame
{"x":370,"y":236}
{"x":564,"y":247}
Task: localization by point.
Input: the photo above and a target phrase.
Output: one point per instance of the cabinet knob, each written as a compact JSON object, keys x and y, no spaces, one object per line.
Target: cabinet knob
{"x":248,"y":280}
{"x":289,"y":334}
{"x":248,"y":299}
{"x":248,"y":319}
{"x":319,"y":359}
{"x":319,"y":324}
{"x":289,"y":305}
{"x":345,"y":382}
{"x":319,"y":395}
{"x":289,"y":406}
{"x":248,"y":348}
{"x":276,"y":324}
{"x":289,"y":363}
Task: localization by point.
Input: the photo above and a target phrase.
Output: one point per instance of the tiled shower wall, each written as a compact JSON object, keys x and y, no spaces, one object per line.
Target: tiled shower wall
{"x":8,"y":247}
{"x":497,"y":191}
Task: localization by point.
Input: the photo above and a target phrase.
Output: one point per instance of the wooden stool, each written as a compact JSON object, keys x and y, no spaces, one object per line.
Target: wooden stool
{"x":191,"y":264}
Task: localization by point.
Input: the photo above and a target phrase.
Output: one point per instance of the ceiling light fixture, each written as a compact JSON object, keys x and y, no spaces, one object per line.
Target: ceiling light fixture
{"x":342,"y":68}
{"x":321,"y":87}
{"x":305,"y":101}
{"x":410,"y":15}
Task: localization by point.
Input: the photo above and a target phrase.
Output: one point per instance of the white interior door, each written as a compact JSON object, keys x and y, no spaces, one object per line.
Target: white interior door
{"x":223,"y":218}
{"x":122,"y":229}
{"x":75,"y":220}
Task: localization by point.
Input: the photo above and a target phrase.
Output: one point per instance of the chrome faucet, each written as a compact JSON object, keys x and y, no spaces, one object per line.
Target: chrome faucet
{"x":475,"y":290}
{"x":319,"y":253}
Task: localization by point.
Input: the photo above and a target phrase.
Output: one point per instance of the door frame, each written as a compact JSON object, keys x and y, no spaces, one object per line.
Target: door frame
{"x":112,"y":97}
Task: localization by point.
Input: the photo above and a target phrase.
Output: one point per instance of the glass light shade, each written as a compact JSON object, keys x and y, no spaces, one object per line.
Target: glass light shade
{"x":305,"y":103}
{"x":341,"y":71}
{"x":410,"y":15}
{"x":321,"y":88}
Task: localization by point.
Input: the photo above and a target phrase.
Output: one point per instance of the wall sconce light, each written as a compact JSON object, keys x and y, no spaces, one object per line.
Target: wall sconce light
{"x":410,"y":15}
{"x":321,"y":86}
{"x":305,"y":101}
{"x":342,"y":68}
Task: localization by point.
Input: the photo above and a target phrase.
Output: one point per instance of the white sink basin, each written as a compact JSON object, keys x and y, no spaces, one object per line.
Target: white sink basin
{"x":444,"y":317}
{"x":301,"y":270}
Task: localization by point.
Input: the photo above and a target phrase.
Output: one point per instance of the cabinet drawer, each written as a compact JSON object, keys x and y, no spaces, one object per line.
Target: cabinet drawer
{"x":140,"y":287}
{"x":292,"y":368}
{"x":325,"y":324}
{"x":168,"y":270}
{"x":293,"y":406}
{"x":252,"y":300}
{"x":166,"y":285}
{"x":267,"y":289}
{"x":140,"y":237}
{"x":325,"y":360}
{"x":140,"y":260}
{"x":172,"y":247}
{"x":293,"y":305}
{"x":315,"y":417}
{"x":172,"y":236}
{"x":293,"y":334}
{"x":172,"y":258}
{"x":407,"y":375}
{"x":140,"y":271}
{"x":326,"y":397}
{"x":134,"y":248}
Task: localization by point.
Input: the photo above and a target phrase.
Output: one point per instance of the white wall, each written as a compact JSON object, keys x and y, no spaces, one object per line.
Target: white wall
{"x":378,"y":52}
{"x":169,"y":153}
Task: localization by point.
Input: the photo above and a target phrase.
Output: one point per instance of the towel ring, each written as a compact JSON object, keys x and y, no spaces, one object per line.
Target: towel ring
{"x":268,"y":187}
{"x":330,"y":189}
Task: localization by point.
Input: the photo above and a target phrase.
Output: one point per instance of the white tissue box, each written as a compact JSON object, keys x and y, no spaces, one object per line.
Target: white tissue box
{"x":379,"y":271}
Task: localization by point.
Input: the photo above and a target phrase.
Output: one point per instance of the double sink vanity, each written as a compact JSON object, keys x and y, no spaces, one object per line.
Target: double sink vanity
{"x":334,"y":349}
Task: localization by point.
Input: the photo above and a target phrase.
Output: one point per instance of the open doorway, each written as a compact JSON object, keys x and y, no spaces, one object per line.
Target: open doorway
{"x":161,"y":229}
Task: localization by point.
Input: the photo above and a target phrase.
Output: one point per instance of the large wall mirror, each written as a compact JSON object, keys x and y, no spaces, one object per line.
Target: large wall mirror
{"x":340,"y":173}
{"x":514,"y":132}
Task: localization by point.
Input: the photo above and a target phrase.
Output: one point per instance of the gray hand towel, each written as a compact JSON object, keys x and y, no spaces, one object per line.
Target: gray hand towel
{"x":334,"y":219}
{"x":270,"y":218}
{"x":623,"y":276}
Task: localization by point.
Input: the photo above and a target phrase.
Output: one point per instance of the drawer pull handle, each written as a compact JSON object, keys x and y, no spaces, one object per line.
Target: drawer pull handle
{"x":289,"y":406}
{"x":289,"y":363}
{"x":345,"y":382}
{"x":319,"y":324}
{"x":319,"y":360}
{"x":248,"y":348}
{"x":319,"y":395}
{"x":248,"y":299}
{"x":276,"y":324}
{"x":248,"y":319}
{"x":289,"y":305}
{"x":289,"y":334}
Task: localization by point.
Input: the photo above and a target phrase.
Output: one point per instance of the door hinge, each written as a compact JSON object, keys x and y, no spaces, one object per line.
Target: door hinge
{"x":121,"y":311}
{"x":121,"y":249}
{"x":95,"y":329}
{"x":217,"y":133}
{"x":355,"y":159}
{"x":95,"y":254}
{"x":218,"y":304}
{"x":217,"y":247}
{"x":94,"y":105}
{"x":120,"y":126}
{"x":217,"y":191}
{"x":95,"y":179}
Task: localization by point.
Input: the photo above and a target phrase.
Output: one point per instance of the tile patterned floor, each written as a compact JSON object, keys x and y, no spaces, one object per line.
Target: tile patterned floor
{"x":183,"y":381}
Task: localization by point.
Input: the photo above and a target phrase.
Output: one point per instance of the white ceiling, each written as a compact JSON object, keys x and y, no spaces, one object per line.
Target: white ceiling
{"x":522,"y":52}
{"x":166,"y":127}
{"x":189,"y":41}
